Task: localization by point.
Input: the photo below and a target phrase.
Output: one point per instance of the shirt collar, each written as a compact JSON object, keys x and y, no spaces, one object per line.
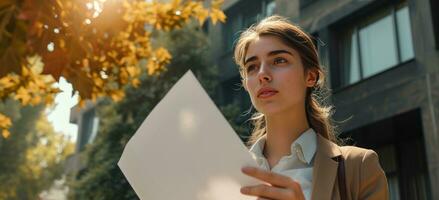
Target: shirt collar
{"x":304,"y":147}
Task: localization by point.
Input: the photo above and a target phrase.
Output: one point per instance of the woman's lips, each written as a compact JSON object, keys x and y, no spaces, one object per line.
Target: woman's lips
{"x":264,"y":95}
{"x":266,"y":92}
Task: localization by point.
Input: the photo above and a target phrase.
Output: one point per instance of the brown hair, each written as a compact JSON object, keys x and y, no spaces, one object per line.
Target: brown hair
{"x":318,"y":115}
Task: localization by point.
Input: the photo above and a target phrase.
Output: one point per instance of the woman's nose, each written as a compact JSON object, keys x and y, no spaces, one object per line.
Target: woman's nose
{"x":264,"y":74}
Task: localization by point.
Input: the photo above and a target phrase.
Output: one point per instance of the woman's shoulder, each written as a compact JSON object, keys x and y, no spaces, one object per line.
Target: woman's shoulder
{"x":364,"y":175}
{"x":358,"y":154}
{"x":361,"y":161}
{"x":351,"y":154}
{"x":354,"y":152}
{"x":363,"y":169}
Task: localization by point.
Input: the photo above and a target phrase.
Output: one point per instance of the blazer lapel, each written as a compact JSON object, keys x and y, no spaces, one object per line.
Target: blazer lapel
{"x":325,"y":169}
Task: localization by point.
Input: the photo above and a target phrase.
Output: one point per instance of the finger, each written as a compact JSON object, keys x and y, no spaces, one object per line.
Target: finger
{"x":297,"y":187}
{"x":266,"y":191}
{"x":269,"y":177}
{"x":262,"y":198}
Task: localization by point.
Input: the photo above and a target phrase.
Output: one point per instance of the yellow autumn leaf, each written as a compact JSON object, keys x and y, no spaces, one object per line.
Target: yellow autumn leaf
{"x":5,"y":133}
{"x":124,"y":39}
{"x":216,"y":15}
{"x":35,"y":64}
{"x":202,"y":15}
{"x":163,"y":55}
{"x":135,"y":82}
{"x":23,"y":96}
{"x":133,"y":71}
{"x":117,"y":95}
{"x":33,"y":86}
{"x":5,"y":122}
{"x":25,"y":71}
{"x":49,"y":99}
{"x":176,"y":3}
{"x":156,"y":64}
{"x":98,"y":80}
{"x":35,"y":100}
{"x":7,"y":82}
{"x":152,"y":67}
{"x":123,"y":76}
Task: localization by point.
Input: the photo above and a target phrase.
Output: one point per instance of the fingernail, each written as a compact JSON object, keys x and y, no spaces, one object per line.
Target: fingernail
{"x":244,"y":190}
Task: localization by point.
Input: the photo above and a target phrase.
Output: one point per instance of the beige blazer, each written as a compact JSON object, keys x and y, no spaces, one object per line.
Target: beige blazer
{"x":365,"y":179}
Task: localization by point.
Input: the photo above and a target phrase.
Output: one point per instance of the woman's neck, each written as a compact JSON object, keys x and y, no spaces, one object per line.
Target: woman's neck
{"x":282,"y":131}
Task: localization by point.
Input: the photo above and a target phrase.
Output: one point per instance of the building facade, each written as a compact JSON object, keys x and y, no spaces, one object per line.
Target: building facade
{"x":88,"y":124}
{"x":382,"y":61}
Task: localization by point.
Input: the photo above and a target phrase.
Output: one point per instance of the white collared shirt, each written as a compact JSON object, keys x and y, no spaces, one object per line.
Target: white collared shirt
{"x":298,"y":165}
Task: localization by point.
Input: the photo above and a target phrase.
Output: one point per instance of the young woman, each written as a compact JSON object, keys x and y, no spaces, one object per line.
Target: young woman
{"x":293,"y":140}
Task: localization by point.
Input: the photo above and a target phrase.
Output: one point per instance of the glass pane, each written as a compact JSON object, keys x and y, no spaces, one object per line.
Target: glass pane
{"x":387,"y":157}
{"x":94,"y":131}
{"x":350,"y":72}
{"x":404,"y":34}
{"x":232,"y":27}
{"x":354,"y":69}
{"x":393,"y":187}
{"x":421,"y":186}
{"x":269,"y":9}
{"x":378,"y":46}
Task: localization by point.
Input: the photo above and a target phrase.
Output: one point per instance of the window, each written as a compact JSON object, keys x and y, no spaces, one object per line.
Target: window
{"x":270,"y":7}
{"x":434,"y":4}
{"x":89,"y":127}
{"x":376,"y":44}
{"x":242,"y":16}
{"x":231,"y":29}
{"x":388,"y":160}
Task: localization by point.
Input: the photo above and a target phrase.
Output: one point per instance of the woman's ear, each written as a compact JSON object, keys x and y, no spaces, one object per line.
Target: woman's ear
{"x":312,"y":77}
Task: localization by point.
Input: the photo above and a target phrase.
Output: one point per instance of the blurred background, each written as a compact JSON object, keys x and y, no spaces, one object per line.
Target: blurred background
{"x":77,"y":78}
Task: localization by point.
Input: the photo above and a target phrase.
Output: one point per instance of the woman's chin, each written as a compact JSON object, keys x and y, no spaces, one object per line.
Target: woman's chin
{"x":273,"y":110}
{"x":270,"y":110}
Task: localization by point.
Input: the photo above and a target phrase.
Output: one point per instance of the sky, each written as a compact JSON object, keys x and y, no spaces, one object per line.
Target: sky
{"x":59,"y":114}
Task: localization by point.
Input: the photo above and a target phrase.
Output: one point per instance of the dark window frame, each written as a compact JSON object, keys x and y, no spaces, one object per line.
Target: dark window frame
{"x":355,"y":23}
{"x":306,"y":3}
{"x":435,"y":20}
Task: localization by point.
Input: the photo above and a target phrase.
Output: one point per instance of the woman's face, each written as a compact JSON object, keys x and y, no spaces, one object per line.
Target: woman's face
{"x":274,"y":76}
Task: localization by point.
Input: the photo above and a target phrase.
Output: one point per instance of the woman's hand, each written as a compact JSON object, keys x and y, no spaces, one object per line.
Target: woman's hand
{"x":279,"y":187}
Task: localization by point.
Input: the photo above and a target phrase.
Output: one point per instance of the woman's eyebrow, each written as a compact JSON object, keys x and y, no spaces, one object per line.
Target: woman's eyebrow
{"x":271,"y":53}
{"x":253,"y":58}
{"x":276,"y":52}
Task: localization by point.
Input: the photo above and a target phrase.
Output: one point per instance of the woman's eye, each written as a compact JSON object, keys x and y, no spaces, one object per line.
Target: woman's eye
{"x":279,"y":60}
{"x":250,"y":68}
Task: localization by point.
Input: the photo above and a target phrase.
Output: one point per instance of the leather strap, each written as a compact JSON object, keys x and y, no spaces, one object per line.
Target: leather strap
{"x":341,"y":177}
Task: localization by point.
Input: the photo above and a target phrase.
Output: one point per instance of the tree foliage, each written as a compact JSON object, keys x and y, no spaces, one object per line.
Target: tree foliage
{"x":102,"y":178}
{"x":32,"y":158}
{"x":96,"y":45}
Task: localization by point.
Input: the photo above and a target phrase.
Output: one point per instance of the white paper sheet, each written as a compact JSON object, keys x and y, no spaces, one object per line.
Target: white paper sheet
{"x":186,"y":150}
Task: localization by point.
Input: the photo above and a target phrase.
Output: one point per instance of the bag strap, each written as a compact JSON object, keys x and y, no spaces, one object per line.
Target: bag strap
{"x":341,"y":177}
